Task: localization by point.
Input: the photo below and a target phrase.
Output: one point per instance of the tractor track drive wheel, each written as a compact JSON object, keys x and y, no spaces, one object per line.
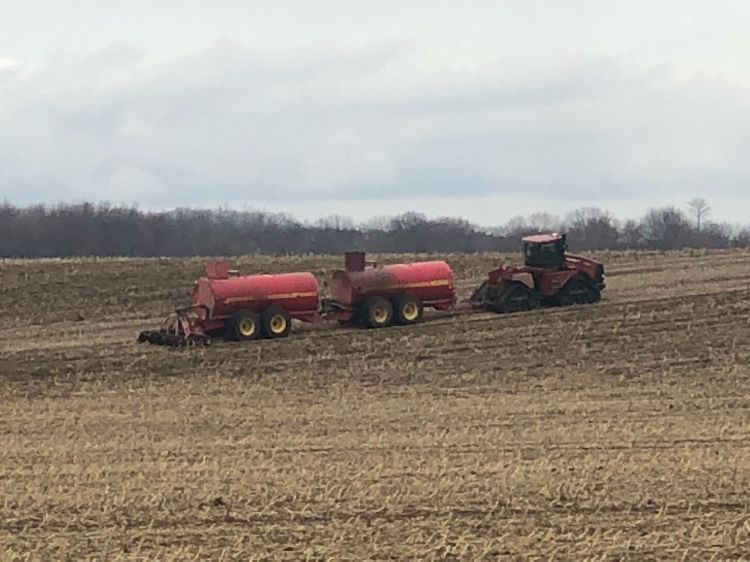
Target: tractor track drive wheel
{"x":482,"y":295}
{"x":516,"y":298}
{"x":579,"y":290}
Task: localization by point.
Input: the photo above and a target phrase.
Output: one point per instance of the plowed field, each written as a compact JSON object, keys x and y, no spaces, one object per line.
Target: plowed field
{"x":611,"y":431}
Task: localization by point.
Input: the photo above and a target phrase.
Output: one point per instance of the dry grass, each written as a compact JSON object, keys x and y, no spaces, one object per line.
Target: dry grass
{"x":615,"y":431}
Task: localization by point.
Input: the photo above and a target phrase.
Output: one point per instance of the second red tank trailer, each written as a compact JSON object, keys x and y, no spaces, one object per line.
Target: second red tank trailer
{"x":378,"y":296}
{"x":364,"y":293}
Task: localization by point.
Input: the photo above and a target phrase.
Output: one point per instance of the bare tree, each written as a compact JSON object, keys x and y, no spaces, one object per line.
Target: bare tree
{"x":533,"y":224}
{"x":699,"y":208}
{"x":632,"y":235}
{"x":381,"y":223}
{"x":666,"y":229}
{"x":591,"y":228}
{"x":544,"y":222}
{"x":742,"y":238}
{"x":100,"y":229}
{"x":335,"y":222}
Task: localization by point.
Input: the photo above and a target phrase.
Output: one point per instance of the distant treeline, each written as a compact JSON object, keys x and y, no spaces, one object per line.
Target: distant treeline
{"x":104,"y":230}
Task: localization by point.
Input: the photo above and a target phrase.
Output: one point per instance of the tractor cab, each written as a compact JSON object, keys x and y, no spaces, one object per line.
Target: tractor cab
{"x":545,"y":251}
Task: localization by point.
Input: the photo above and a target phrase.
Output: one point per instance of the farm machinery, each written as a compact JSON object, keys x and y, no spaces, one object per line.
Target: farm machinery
{"x":248,"y":307}
{"x":253,"y":306}
{"x":378,"y":296}
{"x":549,"y":276}
{"x":238,"y":307}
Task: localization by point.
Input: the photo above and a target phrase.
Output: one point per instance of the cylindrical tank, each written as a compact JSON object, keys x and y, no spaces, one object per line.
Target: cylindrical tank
{"x":430,"y":281}
{"x":295,"y":292}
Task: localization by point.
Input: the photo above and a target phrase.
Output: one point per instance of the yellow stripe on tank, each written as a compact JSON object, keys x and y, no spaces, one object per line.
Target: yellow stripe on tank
{"x":239,"y":299}
{"x":277,"y":296}
{"x":292,"y":295}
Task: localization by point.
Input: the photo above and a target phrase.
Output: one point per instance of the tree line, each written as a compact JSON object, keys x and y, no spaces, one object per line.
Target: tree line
{"x":89,"y":229}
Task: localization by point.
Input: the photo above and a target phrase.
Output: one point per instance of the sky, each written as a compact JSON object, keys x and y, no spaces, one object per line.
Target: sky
{"x":484,"y":109}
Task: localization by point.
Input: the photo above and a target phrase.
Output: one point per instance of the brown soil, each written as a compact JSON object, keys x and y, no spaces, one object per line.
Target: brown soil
{"x":616,"y":430}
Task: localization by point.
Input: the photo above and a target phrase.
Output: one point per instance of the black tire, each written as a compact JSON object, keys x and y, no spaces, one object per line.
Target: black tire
{"x":595,"y":295}
{"x":243,"y":325}
{"x":275,"y":322}
{"x":407,"y":309}
{"x":481,"y":296}
{"x":535,"y":301}
{"x":577,"y":291}
{"x":377,"y":312}
{"x":516,"y":298}
{"x":565,"y":296}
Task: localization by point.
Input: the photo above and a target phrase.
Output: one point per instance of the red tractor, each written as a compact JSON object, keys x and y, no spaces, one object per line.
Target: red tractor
{"x":550,"y":276}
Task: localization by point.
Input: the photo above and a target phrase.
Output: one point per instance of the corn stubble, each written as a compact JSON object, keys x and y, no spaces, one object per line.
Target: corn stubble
{"x":614,"y":431}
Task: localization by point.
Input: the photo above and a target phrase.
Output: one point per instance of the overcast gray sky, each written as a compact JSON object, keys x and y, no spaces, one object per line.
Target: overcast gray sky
{"x":481,"y":109}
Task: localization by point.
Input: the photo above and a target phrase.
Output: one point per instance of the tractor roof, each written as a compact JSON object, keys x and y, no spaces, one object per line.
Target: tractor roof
{"x":542,"y":238}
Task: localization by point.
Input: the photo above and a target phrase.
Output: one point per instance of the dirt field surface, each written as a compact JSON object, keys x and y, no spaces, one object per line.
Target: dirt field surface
{"x":619,"y":430}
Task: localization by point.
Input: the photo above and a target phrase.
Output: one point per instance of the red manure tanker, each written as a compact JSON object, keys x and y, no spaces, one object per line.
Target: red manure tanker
{"x":240,"y":307}
{"x":248,"y":307}
{"x":380,"y":296}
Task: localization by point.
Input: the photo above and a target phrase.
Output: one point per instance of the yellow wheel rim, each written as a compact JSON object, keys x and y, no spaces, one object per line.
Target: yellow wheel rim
{"x":380,"y":315}
{"x":410,"y":311}
{"x":247,"y":327}
{"x":278,"y":324}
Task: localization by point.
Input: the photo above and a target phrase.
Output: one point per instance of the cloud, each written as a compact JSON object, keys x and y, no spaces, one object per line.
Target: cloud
{"x":8,"y":69}
{"x":332,"y":127}
{"x":127,"y":182}
{"x":7,"y":64}
{"x":343,"y":162}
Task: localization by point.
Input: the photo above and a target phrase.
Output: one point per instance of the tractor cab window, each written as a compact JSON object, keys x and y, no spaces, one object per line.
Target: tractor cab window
{"x":548,"y":254}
